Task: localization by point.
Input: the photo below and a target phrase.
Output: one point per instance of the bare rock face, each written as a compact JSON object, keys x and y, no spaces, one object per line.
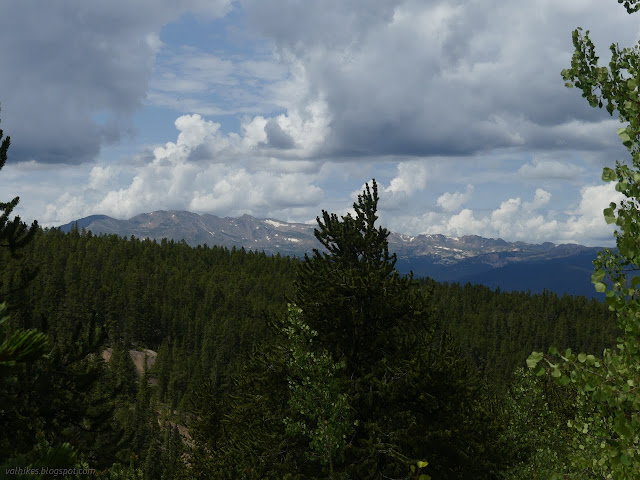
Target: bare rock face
{"x":138,"y":357}
{"x":275,"y":236}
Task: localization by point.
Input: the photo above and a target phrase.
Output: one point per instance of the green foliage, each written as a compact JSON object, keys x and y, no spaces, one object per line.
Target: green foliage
{"x":225,"y":371}
{"x":412,"y":393}
{"x":361,"y":387}
{"x":352,"y":295}
{"x":498,"y":330}
{"x":14,"y":234}
{"x":239,"y":428}
{"x":417,"y":469}
{"x":53,"y":409}
{"x":319,"y":411}
{"x":21,"y":345}
{"x":536,"y":412}
{"x":605,"y":442}
{"x":19,"y":348}
{"x":631,"y":5}
{"x":368,"y":318}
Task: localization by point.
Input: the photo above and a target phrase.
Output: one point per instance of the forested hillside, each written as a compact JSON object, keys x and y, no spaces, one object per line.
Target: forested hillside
{"x":511,"y":266}
{"x":147,"y":294}
{"x":217,"y":319}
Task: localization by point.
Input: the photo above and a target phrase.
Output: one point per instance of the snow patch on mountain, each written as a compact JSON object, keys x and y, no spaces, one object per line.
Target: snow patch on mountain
{"x":276,"y":224}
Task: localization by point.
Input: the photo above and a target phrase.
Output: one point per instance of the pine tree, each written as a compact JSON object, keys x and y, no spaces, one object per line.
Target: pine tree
{"x":412,"y":394}
{"x":14,"y":234}
{"x":19,"y":349}
{"x":352,"y":295}
{"x":49,"y":403}
{"x":19,"y":346}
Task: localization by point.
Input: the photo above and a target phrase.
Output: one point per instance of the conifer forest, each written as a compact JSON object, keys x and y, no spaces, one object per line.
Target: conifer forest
{"x":123,"y":358}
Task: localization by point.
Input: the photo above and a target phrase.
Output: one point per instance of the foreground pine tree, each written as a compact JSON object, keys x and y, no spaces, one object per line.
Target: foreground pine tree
{"x":54,"y":408}
{"x":412,"y":391}
{"x":362,"y":350}
{"x":19,"y":348}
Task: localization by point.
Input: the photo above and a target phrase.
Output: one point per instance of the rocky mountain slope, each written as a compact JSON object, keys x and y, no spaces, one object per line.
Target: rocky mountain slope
{"x":494,"y":262}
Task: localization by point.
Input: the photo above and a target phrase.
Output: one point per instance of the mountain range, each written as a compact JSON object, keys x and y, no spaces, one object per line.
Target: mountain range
{"x":564,"y":269}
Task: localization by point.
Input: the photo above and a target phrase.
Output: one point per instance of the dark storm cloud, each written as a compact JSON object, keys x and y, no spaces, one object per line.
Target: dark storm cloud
{"x":443,"y":77}
{"x":303,"y":25}
{"x":72,"y":72}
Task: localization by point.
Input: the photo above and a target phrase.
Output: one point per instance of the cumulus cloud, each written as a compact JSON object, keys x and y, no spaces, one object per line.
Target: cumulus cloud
{"x":411,"y":178}
{"x":66,"y":206}
{"x":587,"y":218}
{"x":466,"y":87}
{"x":357,"y":84}
{"x":463,"y":222}
{"x":276,"y":136}
{"x":356,"y":78}
{"x":351,"y":54}
{"x":225,"y":178}
{"x":540,"y":199}
{"x":99,"y":176}
{"x":515,"y":220}
{"x":241,"y":190}
{"x":453,"y":201}
{"x":73,"y":72}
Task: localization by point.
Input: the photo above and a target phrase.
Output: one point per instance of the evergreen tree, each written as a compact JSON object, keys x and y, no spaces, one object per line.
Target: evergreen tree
{"x":352,"y":295}
{"x":19,"y":346}
{"x":398,"y":377}
{"x":354,"y":382}
{"x":14,"y":234}
{"x":18,"y":349}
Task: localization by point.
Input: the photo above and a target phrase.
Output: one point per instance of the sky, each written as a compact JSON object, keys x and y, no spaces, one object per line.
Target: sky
{"x":281,"y":109}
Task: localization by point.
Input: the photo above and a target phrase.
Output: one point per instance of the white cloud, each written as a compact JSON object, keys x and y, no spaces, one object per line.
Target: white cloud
{"x":588,"y":218}
{"x":454,"y":201}
{"x":204,"y":170}
{"x":540,"y":199}
{"x":463,"y":223}
{"x":549,"y":169}
{"x":258,"y":192}
{"x":99,"y":176}
{"x":502,"y":219}
{"x":194,"y":131}
{"x":346,"y":84}
{"x":411,"y":177}
{"x":66,"y":206}
{"x":515,"y":220}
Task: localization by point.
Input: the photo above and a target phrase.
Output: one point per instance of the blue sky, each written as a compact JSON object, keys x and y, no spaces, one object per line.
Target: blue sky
{"x":281,"y":109}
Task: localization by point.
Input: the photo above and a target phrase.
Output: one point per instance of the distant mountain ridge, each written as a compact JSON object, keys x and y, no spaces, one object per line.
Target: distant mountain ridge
{"x":494,"y":262}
